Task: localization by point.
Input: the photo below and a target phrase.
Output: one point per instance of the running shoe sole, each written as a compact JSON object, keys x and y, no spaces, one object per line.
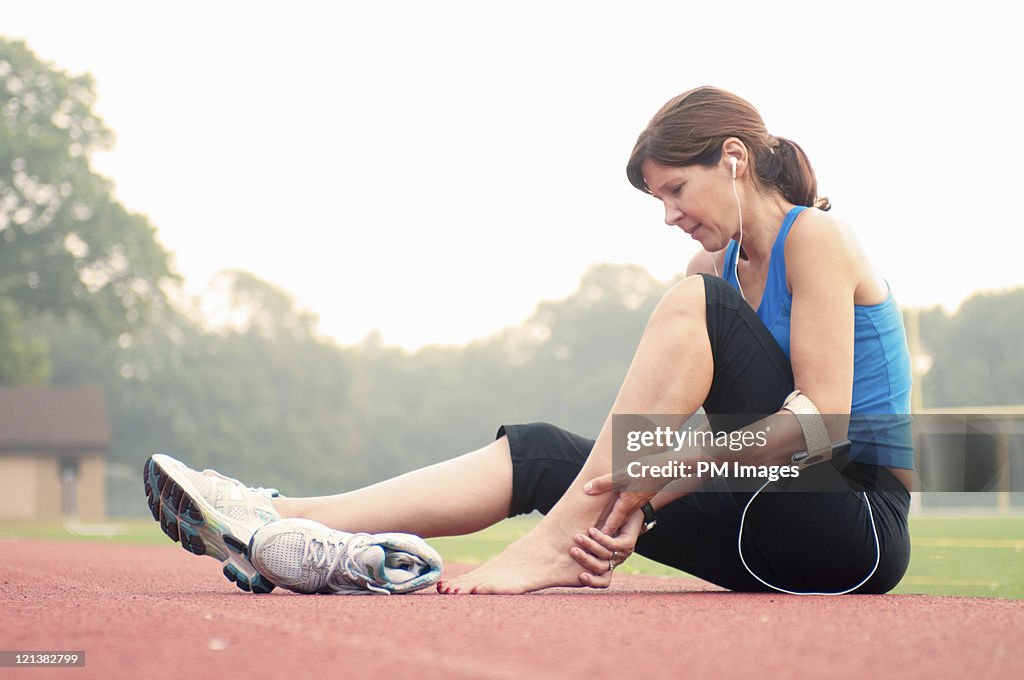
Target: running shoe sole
{"x":186,"y":517}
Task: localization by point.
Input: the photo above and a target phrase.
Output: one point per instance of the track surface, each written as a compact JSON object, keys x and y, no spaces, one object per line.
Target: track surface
{"x":158,"y":612}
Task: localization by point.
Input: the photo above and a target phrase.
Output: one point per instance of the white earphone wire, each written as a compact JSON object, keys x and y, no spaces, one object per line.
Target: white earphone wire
{"x":874,"y":567}
{"x":739,"y":211}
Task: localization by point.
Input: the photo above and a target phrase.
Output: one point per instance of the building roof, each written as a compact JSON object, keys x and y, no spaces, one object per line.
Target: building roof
{"x":59,"y":419}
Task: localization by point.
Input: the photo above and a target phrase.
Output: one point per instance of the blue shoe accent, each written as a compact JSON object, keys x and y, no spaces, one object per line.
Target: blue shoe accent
{"x":257,"y":585}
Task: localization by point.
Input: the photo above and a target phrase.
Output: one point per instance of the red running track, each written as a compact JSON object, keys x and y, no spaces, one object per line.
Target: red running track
{"x":158,"y":612}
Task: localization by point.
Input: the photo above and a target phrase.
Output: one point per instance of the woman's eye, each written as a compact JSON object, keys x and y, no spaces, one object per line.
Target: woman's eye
{"x":677,"y":190}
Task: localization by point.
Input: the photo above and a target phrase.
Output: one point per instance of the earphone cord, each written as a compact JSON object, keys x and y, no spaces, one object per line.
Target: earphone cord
{"x":739,"y":547}
{"x":739,"y":211}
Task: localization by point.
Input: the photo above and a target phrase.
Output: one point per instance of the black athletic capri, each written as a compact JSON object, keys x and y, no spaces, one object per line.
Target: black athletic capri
{"x":803,"y":541}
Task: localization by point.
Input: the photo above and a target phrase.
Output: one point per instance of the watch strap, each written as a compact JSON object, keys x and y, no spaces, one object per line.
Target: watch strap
{"x":650,"y":517}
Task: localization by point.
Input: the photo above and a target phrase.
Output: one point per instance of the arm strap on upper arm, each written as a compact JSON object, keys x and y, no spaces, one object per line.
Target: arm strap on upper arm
{"x":819,"y":444}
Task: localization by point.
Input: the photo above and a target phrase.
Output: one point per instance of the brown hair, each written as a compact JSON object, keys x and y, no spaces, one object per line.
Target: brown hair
{"x":691,"y":128}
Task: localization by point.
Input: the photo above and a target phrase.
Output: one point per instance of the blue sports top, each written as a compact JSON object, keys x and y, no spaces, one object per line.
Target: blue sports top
{"x":879,"y":432}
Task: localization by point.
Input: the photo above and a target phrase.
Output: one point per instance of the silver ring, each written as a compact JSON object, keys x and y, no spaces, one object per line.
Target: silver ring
{"x":615,"y":555}
{"x":611,"y":566}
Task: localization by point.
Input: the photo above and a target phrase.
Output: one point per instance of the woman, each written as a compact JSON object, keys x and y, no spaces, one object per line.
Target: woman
{"x":781,"y":298}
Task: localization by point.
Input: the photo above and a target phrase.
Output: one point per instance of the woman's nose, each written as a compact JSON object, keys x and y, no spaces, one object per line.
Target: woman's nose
{"x":672,"y":215}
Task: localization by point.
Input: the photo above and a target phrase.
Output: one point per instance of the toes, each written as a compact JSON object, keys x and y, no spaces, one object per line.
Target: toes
{"x":447,"y":588}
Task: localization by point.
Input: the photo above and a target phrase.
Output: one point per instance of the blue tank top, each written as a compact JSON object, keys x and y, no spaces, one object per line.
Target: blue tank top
{"x":880,"y":432}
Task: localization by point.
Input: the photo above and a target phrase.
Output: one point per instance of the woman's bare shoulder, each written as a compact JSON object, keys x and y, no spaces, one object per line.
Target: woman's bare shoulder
{"x":819,"y":222}
{"x":815,"y":231}
{"x":820,"y":239}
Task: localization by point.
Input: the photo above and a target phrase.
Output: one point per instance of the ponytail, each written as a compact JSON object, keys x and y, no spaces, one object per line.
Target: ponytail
{"x":784,"y":166}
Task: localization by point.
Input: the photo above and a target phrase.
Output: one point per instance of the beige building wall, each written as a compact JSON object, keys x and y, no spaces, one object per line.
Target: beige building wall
{"x":30,"y":487}
{"x":47,"y":488}
{"x":17,"y":487}
{"x":92,"y":488}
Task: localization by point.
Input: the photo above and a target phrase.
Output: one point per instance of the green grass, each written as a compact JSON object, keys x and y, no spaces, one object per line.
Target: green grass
{"x":978,"y":557}
{"x":133,"y":531}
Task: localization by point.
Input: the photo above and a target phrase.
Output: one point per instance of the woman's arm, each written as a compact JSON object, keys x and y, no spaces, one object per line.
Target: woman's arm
{"x":821,"y":273}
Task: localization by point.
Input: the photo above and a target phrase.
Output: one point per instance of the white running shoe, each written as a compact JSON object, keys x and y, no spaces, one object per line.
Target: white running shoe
{"x":210,"y":514}
{"x":307,"y":557}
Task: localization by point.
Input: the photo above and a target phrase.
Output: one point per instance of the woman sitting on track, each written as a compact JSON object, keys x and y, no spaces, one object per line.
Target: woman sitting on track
{"x":781,"y":298}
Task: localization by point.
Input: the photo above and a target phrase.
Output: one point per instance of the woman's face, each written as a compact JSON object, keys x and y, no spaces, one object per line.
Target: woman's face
{"x":697,"y":199}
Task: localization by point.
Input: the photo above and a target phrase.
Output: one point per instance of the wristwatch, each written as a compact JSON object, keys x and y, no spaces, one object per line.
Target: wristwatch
{"x":650,"y":519}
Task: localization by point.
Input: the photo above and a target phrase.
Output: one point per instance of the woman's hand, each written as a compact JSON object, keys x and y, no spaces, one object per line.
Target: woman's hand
{"x":599,"y":553}
{"x":627,"y":504}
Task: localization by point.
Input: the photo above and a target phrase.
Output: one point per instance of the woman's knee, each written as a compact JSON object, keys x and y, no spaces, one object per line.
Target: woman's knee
{"x":684,"y":300}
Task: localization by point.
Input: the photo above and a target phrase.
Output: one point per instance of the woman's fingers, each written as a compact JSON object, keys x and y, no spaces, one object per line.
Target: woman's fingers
{"x":626,"y":506}
{"x":597,"y":551}
{"x":601,"y":550}
{"x":622,"y":510}
{"x":598,"y":559}
{"x":592,"y":564}
{"x":607,"y":542}
{"x":596,"y":580}
{"x":599,"y":485}
{"x":604,"y":546}
{"x":595,"y":563}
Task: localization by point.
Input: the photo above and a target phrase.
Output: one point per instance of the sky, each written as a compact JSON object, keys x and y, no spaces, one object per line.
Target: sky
{"x":434,"y":170}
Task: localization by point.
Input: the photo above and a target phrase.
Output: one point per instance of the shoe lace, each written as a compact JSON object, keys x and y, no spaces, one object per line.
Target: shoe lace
{"x":344,"y":555}
{"x":267,"y":492}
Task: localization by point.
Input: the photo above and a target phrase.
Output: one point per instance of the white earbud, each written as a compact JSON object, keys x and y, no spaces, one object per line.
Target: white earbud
{"x":733,"y":161}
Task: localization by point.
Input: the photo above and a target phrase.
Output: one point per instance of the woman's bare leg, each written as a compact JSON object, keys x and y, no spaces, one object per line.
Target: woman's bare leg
{"x":458,"y":496}
{"x":670,"y":373}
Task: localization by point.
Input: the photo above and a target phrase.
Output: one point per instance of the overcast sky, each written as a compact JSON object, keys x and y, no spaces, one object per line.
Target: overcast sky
{"x":435,"y":169}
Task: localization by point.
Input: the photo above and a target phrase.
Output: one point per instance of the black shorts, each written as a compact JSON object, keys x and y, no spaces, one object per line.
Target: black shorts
{"x":804,"y":541}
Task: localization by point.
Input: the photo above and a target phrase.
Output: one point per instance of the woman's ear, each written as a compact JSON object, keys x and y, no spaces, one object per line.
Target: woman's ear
{"x":734,"y":157}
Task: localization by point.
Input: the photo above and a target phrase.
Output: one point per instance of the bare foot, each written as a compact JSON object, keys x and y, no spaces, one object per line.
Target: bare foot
{"x":538,"y":560}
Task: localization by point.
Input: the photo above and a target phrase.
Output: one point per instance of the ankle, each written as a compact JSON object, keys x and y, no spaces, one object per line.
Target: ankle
{"x":289,"y":507}
{"x":583,"y":511}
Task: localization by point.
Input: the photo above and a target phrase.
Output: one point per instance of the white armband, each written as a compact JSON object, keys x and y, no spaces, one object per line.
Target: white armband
{"x":819,"y":444}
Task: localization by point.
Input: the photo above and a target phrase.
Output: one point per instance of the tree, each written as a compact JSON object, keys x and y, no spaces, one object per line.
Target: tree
{"x":23,"y":359}
{"x":249,"y":304}
{"x":67,"y":247}
{"x":976,"y":352}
